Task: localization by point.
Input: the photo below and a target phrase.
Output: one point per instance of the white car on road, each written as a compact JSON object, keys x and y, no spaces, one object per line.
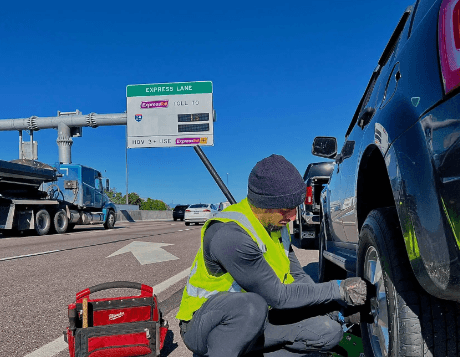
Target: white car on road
{"x":199,"y":213}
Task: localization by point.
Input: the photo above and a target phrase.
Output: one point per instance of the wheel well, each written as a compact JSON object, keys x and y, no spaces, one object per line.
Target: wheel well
{"x":373,"y":187}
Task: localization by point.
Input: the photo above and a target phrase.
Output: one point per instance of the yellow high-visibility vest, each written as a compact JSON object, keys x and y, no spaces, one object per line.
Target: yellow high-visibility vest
{"x":201,"y":285}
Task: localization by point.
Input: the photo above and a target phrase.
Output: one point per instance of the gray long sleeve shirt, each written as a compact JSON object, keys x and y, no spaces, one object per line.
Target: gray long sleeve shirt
{"x":228,"y":248}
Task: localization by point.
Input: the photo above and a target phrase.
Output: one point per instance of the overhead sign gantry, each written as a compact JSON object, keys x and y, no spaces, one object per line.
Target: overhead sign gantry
{"x":170,"y":115}
{"x":158,"y":115}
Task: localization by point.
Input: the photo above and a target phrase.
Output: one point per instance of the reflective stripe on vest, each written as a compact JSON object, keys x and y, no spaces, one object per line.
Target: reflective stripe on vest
{"x":239,"y":217}
{"x":203,"y":293}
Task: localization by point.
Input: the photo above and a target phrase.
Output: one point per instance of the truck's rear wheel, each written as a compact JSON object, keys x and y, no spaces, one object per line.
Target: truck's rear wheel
{"x":42,"y":222}
{"x":404,"y":319}
{"x":60,"y":221}
{"x":110,"y":221}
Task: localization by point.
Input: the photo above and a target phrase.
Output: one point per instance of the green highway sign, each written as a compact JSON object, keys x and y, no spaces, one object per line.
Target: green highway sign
{"x":170,"y":114}
{"x":141,"y":90}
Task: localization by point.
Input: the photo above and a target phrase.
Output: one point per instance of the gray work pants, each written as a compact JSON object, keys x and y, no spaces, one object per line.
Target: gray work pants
{"x":238,"y":324}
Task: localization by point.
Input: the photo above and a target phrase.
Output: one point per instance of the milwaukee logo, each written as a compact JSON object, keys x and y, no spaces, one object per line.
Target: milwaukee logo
{"x":116,"y":316}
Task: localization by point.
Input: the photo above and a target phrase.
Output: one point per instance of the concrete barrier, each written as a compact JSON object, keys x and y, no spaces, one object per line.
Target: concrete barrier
{"x":133,"y":216}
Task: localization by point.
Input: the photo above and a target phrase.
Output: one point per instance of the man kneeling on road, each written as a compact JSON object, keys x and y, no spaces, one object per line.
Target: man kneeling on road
{"x":247,"y":294}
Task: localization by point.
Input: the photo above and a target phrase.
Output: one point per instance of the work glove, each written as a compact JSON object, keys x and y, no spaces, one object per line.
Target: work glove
{"x":353,"y":291}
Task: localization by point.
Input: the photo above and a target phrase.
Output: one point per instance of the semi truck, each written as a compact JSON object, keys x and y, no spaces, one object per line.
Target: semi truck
{"x":51,"y":199}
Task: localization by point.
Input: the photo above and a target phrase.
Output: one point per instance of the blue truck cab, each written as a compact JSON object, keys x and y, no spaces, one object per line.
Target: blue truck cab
{"x":81,"y":190}
{"x":36,"y":196}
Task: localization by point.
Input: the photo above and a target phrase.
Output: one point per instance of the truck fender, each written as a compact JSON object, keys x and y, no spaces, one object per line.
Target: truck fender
{"x":105,"y":210}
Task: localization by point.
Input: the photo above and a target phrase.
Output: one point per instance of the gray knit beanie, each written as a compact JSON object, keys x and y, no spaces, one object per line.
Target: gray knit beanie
{"x":275,"y":183}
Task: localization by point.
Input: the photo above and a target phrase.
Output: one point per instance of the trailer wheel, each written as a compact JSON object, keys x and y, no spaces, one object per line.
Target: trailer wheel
{"x":42,"y":222}
{"x":61,"y":221}
{"x":110,"y":222}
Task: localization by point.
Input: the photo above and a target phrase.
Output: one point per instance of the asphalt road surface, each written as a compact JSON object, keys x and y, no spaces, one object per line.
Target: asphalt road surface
{"x":41,"y":275}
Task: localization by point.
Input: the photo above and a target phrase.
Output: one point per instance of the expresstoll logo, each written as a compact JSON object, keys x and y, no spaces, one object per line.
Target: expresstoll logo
{"x":155,"y":104}
{"x":138,"y":117}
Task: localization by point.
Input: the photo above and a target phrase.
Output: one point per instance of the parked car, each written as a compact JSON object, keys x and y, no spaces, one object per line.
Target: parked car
{"x":307,"y":223}
{"x":179,"y":212}
{"x":391,"y":211}
{"x":199,"y":213}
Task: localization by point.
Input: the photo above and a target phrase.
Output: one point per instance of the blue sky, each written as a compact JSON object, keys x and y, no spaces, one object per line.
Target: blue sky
{"x":282,"y":73}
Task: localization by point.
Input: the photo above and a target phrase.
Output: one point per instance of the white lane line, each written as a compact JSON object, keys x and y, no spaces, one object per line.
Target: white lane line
{"x":83,"y":246}
{"x":30,"y":255}
{"x":53,"y":348}
{"x":171,"y":281}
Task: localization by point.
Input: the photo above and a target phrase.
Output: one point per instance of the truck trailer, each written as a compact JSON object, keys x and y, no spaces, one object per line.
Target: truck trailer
{"x":46,"y":199}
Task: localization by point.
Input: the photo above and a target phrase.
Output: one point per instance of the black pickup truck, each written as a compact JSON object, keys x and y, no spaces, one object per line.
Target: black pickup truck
{"x":307,"y":223}
{"x":391,"y":211}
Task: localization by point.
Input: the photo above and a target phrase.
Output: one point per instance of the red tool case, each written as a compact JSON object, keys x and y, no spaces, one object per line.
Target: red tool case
{"x":115,"y":327}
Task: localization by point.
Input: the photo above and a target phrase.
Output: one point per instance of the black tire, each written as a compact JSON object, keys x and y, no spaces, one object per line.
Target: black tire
{"x":175,"y":219}
{"x":42,"y":222}
{"x":60,"y":222}
{"x":71,"y":227}
{"x":187,"y":223}
{"x":416,"y":323}
{"x":110,"y":221}
{"x":327,"y":270}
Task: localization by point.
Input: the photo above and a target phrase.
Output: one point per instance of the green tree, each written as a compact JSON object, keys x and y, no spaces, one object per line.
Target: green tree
{"x":115,"y":196}
{"x":154,"y":205}
{"x":133,"y":199}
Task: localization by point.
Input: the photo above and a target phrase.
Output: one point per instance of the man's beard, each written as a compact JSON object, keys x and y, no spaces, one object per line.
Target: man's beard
{"x":272,"y":228}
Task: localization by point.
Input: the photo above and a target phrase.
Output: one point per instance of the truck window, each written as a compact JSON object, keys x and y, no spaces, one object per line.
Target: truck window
{"x":98,"y":184}
{"x":88,"y":176}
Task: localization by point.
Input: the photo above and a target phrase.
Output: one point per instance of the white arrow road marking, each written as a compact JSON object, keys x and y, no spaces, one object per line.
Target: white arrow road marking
{"x":147,"y":252}
{"x":54,"y":347}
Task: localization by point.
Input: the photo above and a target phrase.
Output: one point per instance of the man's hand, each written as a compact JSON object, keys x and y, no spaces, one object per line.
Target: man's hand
{"x":353,"y":291}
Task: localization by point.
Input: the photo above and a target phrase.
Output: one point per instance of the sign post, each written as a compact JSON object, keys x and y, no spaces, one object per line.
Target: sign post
{"x":170,"y":115}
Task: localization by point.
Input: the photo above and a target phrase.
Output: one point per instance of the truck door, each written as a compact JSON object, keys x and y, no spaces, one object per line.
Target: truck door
{"x":98,"y":192}
{"x":348,"y":209}
{"x":336,"y":198}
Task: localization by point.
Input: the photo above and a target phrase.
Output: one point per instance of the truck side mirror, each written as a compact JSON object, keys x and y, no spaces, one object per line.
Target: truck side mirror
{"x":107,"y":185}
{"x":324,"y":146}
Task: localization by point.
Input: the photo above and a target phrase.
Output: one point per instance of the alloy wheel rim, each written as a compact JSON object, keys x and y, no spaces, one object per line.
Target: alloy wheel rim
{"x":377,"y":331}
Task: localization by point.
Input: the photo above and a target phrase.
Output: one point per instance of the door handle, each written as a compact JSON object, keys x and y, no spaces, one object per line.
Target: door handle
{"x":365,"y":117}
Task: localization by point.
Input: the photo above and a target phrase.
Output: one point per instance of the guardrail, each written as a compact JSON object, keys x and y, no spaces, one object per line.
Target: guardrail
{"x":133,"y":216}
